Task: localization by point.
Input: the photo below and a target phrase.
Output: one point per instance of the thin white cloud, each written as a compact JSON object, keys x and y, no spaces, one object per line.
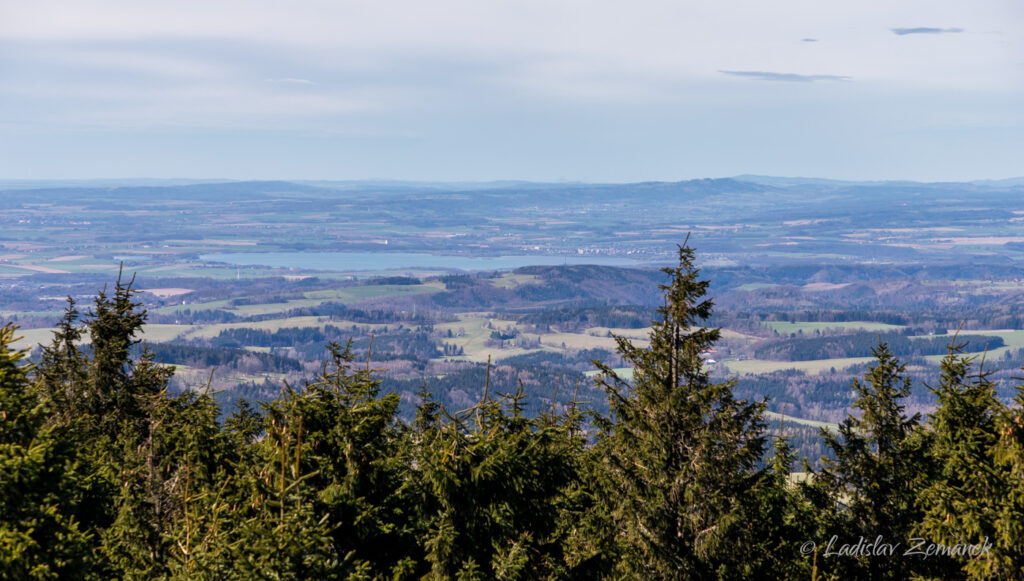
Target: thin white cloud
{"x":663,"y":40}
{"x":925,"y":30}
{"x":223,"y":104}
{"x":291,"y":81}
{"x":785,"y":77}
{"x":112,"y":59}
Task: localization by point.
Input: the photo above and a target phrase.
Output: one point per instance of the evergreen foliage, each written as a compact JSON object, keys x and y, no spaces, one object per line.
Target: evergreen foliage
{"x":104,"y":474}
{"x":876,"y":474}
{"x":965,"y":500}
{"x":40,"y":536}
{"x":681,"y":451}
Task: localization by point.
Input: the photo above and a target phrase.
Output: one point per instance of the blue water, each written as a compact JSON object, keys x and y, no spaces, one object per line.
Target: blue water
{"x":346,"y":261}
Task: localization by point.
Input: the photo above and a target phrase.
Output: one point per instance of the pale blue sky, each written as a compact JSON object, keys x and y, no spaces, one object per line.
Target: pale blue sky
{"x":587,"y":90}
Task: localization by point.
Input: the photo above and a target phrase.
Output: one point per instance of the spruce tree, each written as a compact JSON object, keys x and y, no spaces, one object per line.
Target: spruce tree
{"x":171,"y":476}
{"x":681,"y":451}
{"x":61,"y":375}
{"x":349,"y":461}
{"x":114,"y":323}
{"x":495,"y":488}
{"x":115,"y":411}
{"x":876,"y":473}
{"x":1009,"y":460}
{"x":963,"y":502}
{"x":40,"y":484}
{"x":778,"y":517}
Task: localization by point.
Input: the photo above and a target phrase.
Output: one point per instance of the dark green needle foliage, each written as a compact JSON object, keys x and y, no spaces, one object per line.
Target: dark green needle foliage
{"x":104,"y":474}
{"x":493,"y":488}
{"x":967,"y":497}
{"x":332,"y":461}
{"x":40,"y":536}
{"x":877,"y":473}
{"x":62,"y":375}
{"x":1008,"y":458}
{"x":680,"y":451}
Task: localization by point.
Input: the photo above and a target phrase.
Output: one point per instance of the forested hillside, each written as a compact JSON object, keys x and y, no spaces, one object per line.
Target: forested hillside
{"x":107,"y":474}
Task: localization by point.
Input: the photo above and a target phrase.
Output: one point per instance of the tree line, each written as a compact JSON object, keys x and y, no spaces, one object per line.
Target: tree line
{"x":861,"y":344}
{"x":104,"y":474}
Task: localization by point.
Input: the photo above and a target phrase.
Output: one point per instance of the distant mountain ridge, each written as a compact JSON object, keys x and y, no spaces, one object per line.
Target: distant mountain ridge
{"x":744,"y":182}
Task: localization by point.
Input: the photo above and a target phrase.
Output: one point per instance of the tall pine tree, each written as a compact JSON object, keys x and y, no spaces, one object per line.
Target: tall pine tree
{"x":681,"y":450}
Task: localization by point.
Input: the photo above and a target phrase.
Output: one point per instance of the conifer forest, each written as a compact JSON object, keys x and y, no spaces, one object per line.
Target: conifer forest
{"x":107,"y":474}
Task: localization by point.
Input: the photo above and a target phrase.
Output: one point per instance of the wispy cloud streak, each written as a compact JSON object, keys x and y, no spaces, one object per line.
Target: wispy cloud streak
{"x":291,"y":81}
{"x":784,"y":77}
{"x":925,"y":30}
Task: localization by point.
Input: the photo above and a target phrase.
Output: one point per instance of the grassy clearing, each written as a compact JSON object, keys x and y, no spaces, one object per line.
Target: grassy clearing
{"x":210,"y":331}
{"x":498,"y":354}
{"x":163,"y":333}
{"x":275,"y":308}
{"x":95,"y":267}
{"x":737,"y":336}
{"x":5,"y":315}
{"x":13,"y":271}
{"x":194,"y":307}
{"x":29,"y":338}
{"x":475,"y":333}
{"x":471,"y":332}
{"x":772,"y":416}
{"x":816,"y":366}
{"x":786,"y":328}
{"x":197,"y":378}
{"x":1012,"y":339}
{"x":639,"y":337}
{"x":577,"y":341}
{"x":623,"y":372}
{"x":755,"y":286}
{"x":152,"y":333}
{"x":635,"y":335}
{"x":511,"y":280}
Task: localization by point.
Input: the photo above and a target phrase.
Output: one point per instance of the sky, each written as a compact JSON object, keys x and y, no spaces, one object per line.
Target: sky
{"x":477,"y":90}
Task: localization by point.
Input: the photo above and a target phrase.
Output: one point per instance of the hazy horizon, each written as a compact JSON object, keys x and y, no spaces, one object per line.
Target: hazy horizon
{"x":462,"y":91}
{"x":174,"y":181}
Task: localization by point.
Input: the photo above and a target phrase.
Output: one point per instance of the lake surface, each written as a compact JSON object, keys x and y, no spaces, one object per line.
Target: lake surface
{"x":345,"y":261}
